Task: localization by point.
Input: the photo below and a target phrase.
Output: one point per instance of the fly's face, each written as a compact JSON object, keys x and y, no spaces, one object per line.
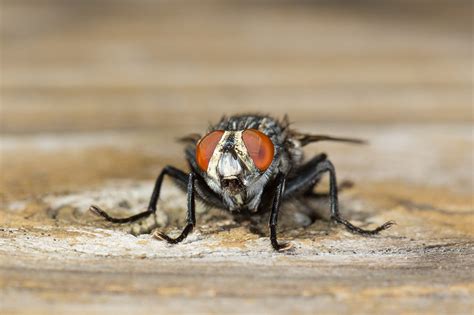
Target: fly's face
{"x":234,"y":161}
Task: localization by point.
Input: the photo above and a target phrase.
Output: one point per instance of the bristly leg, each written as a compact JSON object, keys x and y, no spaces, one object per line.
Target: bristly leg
{"x":345,"y":185}
{"x":327,"y":166}
{"x":191,"y":216}
{"x":274,"y":215}
{"x":174,"y":173}
{"x":309,"y":174}
{"x":357,"y":230}
{"x":163,"y":237}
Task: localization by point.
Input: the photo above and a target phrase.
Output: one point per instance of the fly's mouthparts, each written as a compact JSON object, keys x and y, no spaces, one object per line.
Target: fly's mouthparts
{"x":232,"y":183}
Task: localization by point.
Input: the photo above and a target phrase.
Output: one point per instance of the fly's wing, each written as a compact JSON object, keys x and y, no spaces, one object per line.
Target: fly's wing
{"x":306,"y":139}
{"x":190,"y":139}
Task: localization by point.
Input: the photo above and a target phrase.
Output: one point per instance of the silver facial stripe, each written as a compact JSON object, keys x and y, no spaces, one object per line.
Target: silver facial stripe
{"x":229,"y":166}
{"x":242,"y":152}
{"x":216,"y":156}
{"x":221,"y":163}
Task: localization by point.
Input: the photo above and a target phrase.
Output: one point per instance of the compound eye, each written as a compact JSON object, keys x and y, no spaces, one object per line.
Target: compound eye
{"x":260,"y":148}
{"x":206,"y":147}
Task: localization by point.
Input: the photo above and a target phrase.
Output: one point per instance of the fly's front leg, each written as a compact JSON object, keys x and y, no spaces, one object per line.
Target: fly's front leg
{"x":345,"y":185}
{"x":191,"y":216}
{"x":274,"y":215}
{"x":311,"y":173}
{"x":174,"y":173}
{"x":327,"y":166}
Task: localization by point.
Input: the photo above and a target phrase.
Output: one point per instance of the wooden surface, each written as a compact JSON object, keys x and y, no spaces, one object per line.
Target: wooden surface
{"x":94,"y":94}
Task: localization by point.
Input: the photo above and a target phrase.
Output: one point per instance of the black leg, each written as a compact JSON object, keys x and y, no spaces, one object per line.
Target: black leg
{"x":274,"y":215}
{"x":341,"y":187}
{"x":308,"y":175}
{"x":304,"y":179}
{"x":191,"y":217}
{"x":174,"y":173}
{"x":327,"y":166}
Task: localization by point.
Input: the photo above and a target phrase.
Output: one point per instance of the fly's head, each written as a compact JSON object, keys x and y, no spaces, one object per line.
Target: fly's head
{"x":236,"y":164}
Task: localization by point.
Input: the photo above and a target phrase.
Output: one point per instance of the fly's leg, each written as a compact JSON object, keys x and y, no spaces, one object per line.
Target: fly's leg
{"x":178,"y":175}
{"x":191,"y":216}
{"x":280,"y":188}
{"x":341,"y":187}
{"x":311,"y":173}
{"x":327,"y":166}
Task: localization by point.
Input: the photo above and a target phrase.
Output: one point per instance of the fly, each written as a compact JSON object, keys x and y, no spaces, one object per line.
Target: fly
{"x":249,"y":164}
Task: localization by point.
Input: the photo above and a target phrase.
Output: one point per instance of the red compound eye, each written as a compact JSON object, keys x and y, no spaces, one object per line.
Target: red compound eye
{"x":259,"y":147}
{"x":205,"y":148}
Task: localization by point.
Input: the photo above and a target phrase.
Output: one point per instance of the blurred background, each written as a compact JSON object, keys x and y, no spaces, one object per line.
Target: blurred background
{"x":113,"y":65}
